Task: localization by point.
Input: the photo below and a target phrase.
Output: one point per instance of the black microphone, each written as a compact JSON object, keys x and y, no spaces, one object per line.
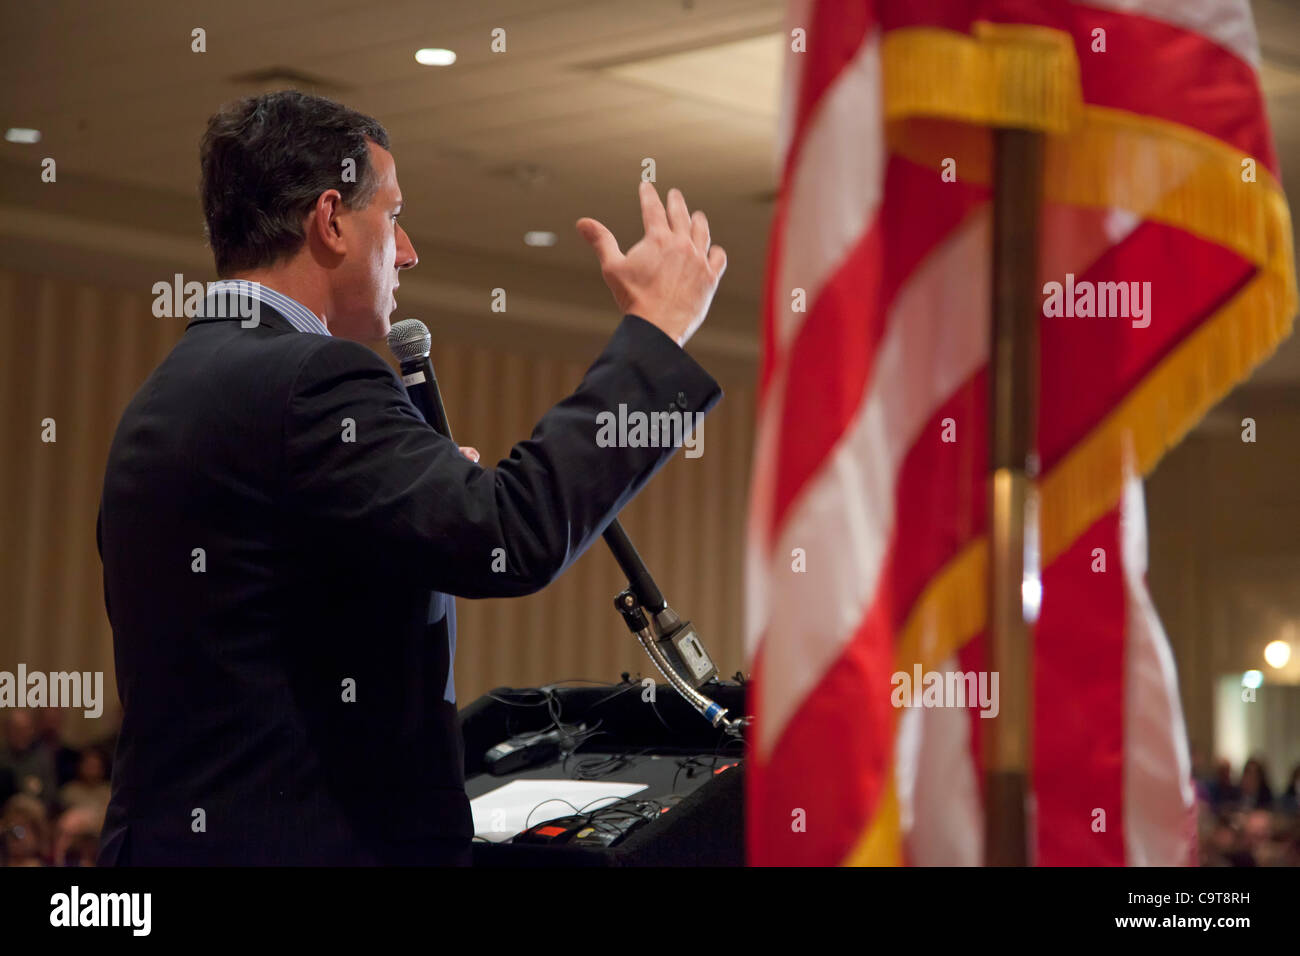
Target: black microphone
{"x":410,"y":341}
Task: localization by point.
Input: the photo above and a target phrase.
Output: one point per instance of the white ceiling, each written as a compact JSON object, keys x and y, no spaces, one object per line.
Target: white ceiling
{"x":494,"y":146}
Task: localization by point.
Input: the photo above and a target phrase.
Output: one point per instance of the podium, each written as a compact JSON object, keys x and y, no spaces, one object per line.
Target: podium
{"x":695,"y":769}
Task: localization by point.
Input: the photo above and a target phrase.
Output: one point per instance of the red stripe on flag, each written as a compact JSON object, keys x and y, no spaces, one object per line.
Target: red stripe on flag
{"x":1157,"y":69}
{"x":1078,"y":749}
{"x":829,"y":765}
{"x":1090,"y":364}
{"x":941,"y":500}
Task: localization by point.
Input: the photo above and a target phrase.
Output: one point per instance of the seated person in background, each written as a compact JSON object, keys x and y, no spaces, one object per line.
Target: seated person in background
{"x":76,"y":836}
{"x":1289,"y":802}
{"x":26,"y":831}
{"x":49,"y":727}
{"x":90,"y":789}
{"x":27,"y":756}
{"x":1222,"y":791}
{"x":1255,"y":793}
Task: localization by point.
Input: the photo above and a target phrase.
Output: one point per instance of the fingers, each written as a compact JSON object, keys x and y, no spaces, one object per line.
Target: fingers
{"x":601,"y":239}
{"x":700,"y":230}
{"x":679,"y":217}
{"x":470,"y":453}
{"x":718,"y":261}
{"x":653,"y":216}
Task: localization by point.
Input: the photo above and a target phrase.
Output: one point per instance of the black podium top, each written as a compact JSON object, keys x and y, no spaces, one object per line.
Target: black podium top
{"x":632,"y":736}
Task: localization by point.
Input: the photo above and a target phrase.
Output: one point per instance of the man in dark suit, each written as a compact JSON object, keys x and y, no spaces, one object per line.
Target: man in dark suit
{"x":282,"y":533}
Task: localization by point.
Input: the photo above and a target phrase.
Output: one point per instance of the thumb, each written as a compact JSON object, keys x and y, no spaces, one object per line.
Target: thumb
{"x":601,"y":239}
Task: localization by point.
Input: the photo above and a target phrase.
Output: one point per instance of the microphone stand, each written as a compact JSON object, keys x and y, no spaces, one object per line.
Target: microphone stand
{"x":672,"y":643}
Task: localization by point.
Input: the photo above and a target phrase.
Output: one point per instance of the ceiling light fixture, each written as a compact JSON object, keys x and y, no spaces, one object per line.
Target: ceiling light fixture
{"x":435,"y":56}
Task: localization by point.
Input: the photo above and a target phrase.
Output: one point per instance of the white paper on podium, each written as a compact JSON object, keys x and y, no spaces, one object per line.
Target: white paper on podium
{"x":510,"y":809}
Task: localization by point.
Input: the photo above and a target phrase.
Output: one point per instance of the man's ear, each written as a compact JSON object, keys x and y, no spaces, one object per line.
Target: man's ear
{"x":323,"y":221}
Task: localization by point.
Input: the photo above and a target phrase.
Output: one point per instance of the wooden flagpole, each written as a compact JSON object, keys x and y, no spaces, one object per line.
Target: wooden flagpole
{"x":1013,"y":419}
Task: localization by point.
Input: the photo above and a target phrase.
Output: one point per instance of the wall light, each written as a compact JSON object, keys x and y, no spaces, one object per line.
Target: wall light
{"x":1277,"y":653}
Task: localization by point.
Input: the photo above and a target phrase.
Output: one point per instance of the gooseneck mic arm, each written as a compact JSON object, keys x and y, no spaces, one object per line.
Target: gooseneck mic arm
{"x":672,"y":643}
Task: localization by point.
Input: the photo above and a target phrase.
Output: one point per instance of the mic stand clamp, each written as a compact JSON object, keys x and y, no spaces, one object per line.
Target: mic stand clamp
{"x":675,"y":649}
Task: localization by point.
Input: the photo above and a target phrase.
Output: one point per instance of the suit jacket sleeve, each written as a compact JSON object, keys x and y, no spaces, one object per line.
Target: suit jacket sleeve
{"x":402,"y":493}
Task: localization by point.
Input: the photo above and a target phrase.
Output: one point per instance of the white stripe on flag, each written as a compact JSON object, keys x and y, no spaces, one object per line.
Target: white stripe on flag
{"x":1159,"y":800}
{"x":940,"y":813}
{"x":835,"y":190}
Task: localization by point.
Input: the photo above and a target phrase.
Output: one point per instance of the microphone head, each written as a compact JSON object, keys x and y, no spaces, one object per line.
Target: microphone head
{"x":409,"y":339}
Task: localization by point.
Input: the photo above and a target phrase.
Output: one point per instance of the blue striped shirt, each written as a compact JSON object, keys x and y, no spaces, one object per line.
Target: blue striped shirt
{"x":300,"y":317}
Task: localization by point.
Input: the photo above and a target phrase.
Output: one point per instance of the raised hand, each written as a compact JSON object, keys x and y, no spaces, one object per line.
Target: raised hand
{"x":670,"y":276}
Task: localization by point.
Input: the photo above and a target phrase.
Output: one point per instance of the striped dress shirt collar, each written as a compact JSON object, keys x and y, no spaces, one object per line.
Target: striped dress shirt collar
{"x":297,"y":314}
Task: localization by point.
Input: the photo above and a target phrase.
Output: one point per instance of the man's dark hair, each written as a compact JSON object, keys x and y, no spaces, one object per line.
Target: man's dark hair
{"x":266,"y":159}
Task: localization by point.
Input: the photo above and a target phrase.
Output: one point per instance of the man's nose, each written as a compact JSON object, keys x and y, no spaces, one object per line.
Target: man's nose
{"x":406,"y":256}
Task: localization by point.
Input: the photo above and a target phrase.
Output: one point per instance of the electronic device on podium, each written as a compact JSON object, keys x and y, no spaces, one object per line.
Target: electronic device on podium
{"x":611,"y":774}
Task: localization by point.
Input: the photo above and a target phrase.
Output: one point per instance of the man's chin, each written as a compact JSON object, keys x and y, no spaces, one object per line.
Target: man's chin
{"x":371,"y":331}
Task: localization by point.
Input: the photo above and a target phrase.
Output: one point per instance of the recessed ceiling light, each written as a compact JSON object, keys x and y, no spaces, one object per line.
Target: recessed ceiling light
{"x":435,"y":56}
{"x":20,"y":134}
{"x":538,"y":238}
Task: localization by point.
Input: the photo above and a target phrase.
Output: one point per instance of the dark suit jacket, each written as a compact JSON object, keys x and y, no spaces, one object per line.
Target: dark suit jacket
{"x":327,"y":564}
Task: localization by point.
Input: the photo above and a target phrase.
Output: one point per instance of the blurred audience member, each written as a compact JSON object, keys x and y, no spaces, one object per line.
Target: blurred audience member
{"x":49,"y":726}
{"x":1289,"y":802}
{"x":1202,"y":775}
{"x":76,"y":836}
{"x":1254,"y":792}
{"x":25,"y":827}
{"x":27,"y":756}
{"x":91,"y":789}
{"x":1258,"y":839}
{"x":1221,"y":790}
{"x":1224,"y":844}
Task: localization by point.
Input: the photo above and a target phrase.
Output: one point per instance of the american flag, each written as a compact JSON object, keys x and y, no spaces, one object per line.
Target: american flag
{"x":867,"y":540}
